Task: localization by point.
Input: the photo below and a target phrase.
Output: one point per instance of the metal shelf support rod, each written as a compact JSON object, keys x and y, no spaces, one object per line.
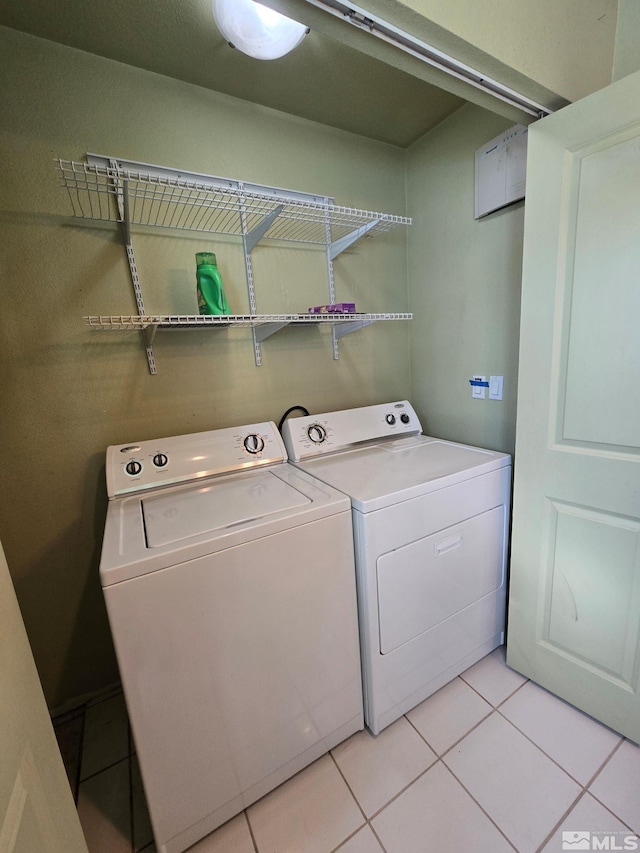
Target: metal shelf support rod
{"x":248,"y":267}
{"x":331,"y":281}
{"x":124,"y":210}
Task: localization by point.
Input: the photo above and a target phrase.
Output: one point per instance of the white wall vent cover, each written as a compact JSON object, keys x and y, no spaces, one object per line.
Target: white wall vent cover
{"x":501,"y":171}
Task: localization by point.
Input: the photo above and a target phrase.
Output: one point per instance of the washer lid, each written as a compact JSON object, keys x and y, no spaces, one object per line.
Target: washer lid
{"x":175,"y":515}
{"x":381,"y":474}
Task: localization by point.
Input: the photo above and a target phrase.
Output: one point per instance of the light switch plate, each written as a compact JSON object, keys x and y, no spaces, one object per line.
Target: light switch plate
{"x":496,"y":384}
{"x":478,"y":391}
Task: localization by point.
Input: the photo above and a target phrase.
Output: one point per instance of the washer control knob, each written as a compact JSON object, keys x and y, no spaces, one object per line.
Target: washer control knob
{"x":133,"y":468}
{"x":160,"y":460}
{"x":404,"y":417}
{"x":317,"y":433}
{"x":254,"y":443}
{"x":390,"y":419}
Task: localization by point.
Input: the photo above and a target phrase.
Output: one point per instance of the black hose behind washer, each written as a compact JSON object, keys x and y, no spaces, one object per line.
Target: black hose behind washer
{"x":288,"y":412}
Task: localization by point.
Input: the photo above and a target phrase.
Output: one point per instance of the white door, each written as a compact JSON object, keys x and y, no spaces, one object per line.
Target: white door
{"x":574,"y":613}
{"x":37,"y":812}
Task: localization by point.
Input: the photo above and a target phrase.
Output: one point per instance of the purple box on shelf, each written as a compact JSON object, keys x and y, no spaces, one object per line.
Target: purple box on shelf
{"x":336,"y":308}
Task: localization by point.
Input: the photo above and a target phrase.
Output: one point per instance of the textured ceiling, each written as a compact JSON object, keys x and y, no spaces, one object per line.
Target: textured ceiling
{"x":323,"y":79}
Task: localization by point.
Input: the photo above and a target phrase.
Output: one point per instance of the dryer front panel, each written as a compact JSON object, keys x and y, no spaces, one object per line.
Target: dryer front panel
{"x":426,"y":582}
{"x":431,"y":590}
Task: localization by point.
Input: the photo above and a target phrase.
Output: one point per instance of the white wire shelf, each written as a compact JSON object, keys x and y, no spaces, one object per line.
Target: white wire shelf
{"x":130,"y":322}
{"x":122,"y":191}
{"x":165,"y":198}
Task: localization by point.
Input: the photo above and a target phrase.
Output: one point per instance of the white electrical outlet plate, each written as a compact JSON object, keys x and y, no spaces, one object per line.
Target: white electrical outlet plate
{"x":478,"y":391}
{"x":495,"y":387}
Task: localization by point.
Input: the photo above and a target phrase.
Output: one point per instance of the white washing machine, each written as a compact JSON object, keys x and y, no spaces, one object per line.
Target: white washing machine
{"x":229,"y":581}
{"x":430,"y":522}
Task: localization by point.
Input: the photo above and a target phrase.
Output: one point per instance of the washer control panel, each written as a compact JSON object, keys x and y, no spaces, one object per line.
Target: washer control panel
{"x":317,"y":434}
{"x":179,"y":459}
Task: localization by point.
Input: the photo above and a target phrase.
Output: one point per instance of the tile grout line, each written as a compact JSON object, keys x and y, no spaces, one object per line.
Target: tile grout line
{"x":603,"y":804}
{"x":342,"y":776}
{"x":502,"y":701}
{"x":482,"y":809}
{"x":496,"y":709}
{"x":104,"y":770}
{"x":366,"y":819}
{"x":439,"y":758}
{"x":558,"y":765}
{"x":76,"y":793}
{"x":461,"y":738}
{"x":557,"y":826}
{"x":377,"y":837}
{"x":401,"y":791}
{"x":253,"y":838}
{"x":584,"y":787}
{"x":617,"y":816}
{"x":606,"y":761}
{"x":352,"y":836}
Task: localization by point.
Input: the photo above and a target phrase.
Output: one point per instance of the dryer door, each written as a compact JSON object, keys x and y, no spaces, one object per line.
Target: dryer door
{"x":426,"y":582}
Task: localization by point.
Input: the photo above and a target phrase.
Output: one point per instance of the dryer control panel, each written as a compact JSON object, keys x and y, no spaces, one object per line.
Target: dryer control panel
{"x":331,"y":431}
{"x":159,"y":462}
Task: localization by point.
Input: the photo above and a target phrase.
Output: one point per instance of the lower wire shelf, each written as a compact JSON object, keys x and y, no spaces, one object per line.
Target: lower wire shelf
{"x":124,"y":322}
{"x":263,"y":325}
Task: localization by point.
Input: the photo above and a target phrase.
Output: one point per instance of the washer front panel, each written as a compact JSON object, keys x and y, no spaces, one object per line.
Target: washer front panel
{"x":240,"y":667}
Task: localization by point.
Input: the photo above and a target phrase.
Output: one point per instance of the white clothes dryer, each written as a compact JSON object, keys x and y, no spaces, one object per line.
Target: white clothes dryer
{"x":431,"y":521}
{"x":229,"y":581}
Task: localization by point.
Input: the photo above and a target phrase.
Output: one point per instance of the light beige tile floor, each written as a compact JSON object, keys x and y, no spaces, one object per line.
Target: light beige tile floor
{"x":490,"y":763}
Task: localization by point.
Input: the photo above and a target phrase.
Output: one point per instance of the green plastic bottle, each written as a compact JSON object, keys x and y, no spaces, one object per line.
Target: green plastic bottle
{"x":211,"y":298}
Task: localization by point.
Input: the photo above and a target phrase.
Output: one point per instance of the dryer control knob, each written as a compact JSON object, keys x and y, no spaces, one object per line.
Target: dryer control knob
{"x":404,"y":417}
{"x":133,"y":468}
{"x":160,"y":460}
{"x":390,"y":419}
{"x":317,"y":433}
{"x":254,"y":443}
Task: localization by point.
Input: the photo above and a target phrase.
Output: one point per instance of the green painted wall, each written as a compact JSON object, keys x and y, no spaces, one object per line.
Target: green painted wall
{"x":67,"y":392}
{"x":626,"y":58}
{"x":464,"y":286}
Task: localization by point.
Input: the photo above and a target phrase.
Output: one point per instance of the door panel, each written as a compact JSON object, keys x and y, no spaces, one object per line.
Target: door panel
{"x":602,"y":395}
{"x":593,"y":608}
{"x":37,"y":812}
{"x":574,"y":624}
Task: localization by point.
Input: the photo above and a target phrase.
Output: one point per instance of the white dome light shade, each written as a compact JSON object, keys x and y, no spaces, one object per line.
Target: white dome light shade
{"x":256,"y":30}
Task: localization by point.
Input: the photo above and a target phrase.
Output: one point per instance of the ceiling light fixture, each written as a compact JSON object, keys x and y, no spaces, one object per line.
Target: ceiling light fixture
{"x":385,"y":31}
{"x":256,"y":30}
